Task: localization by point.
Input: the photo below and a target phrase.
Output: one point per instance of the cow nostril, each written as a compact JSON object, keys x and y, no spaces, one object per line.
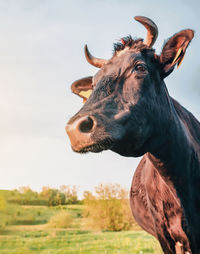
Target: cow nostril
{"x":86,"y":125}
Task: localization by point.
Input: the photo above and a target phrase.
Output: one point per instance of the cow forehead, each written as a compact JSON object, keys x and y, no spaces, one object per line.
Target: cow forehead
{"x":118,"y":64}
{"x":127,"y":57}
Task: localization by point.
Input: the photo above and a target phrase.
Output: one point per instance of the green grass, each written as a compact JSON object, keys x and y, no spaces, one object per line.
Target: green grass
{"x":25,"y":239}
{"x":77,"y":241}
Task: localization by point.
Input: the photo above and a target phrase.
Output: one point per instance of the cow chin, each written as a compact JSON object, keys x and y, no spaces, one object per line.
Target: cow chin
{"x":95,"y":147}
{"x":134,"y":147}
{"x":128,"y":153}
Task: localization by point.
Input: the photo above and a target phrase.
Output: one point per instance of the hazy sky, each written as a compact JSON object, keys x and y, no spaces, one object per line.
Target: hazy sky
{"x":41,"y":54}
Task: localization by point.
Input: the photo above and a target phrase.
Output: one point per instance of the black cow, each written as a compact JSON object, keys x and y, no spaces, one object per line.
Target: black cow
{"x":131,"y":113}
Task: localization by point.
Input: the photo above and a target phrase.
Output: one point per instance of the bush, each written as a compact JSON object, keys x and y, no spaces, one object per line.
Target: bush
{"x":61,"y":220}
{"x":109,"y":209}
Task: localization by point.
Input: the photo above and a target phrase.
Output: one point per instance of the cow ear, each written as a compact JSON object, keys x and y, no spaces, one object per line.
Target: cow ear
{"x":174,"y":50}
{"x":82,"y":87}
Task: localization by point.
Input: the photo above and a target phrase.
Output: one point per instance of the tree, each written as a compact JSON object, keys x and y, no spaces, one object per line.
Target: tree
{"x":53,"y":196}
{"x":70,"y":193}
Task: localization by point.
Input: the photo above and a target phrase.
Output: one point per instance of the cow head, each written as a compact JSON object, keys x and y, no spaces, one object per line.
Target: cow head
{"x":127,"y":107}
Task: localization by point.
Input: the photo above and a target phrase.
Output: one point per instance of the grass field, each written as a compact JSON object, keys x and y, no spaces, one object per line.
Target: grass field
{"x":38,"y":238}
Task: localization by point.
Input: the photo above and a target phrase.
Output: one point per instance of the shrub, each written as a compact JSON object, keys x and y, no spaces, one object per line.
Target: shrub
{"x":61,"y":220}
{"x":109,"y":208}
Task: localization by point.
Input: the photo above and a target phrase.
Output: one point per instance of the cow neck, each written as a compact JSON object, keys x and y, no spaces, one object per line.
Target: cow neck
{"x":178,"y":164}
{"x":172,"y":158}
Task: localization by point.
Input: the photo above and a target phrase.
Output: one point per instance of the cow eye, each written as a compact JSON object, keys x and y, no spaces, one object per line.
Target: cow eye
{"x":140,"y":68}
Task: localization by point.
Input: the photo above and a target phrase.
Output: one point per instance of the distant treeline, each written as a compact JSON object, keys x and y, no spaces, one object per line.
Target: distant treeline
{"x":48,"y":196}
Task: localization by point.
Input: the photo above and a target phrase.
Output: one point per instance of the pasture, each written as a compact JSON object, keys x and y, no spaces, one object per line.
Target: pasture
{"x":31,"y":234}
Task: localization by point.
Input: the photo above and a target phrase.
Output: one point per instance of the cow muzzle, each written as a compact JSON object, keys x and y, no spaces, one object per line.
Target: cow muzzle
{"x":80,"y":132}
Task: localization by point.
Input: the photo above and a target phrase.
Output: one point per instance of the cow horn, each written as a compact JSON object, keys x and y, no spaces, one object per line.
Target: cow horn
{"x":97,"y":62}
{"x":152,"y":30}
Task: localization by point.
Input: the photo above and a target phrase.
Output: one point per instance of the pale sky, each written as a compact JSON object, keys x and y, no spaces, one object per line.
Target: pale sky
{"x":41,"y":54}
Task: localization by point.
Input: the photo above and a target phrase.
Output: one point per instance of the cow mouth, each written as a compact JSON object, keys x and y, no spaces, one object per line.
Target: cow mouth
{"x":97,"y":147}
